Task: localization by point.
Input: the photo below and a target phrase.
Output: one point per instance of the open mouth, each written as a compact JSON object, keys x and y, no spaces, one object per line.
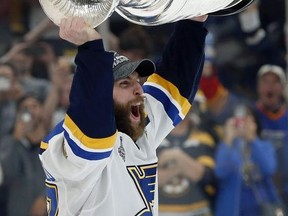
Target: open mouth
{"x":135,"y":111}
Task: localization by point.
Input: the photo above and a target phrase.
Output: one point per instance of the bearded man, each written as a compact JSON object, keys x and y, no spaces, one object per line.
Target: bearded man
{"x":101,"y":159}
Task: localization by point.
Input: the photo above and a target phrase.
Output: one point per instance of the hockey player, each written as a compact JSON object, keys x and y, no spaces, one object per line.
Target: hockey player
{"x":101,"y":159}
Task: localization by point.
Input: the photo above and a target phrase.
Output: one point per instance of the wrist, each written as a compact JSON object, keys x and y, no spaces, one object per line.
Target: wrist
{"x":96,"y":45}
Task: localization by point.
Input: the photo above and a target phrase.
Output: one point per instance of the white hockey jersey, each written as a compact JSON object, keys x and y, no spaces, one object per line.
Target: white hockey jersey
{"x":94,"y":170}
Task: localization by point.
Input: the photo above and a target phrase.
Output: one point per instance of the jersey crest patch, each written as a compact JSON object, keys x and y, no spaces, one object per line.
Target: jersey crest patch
{"x":144,"y":177}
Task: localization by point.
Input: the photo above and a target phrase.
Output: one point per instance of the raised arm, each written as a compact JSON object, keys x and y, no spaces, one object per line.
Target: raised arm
{"x":173,"y":87}
{"x":90,"y":116}
{"x":183,"y":56}
{"x":179,"y":70}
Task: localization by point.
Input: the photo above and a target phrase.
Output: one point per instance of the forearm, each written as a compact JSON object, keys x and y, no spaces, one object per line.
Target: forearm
{"x":183,"y":56}
{"x":91,"y":98}
{"x":39,"y":30}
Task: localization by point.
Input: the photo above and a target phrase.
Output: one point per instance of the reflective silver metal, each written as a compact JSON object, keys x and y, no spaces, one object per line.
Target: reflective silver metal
{"x":156,"y":12}
{"x":142,"y":12}
{"x":94,"y":11}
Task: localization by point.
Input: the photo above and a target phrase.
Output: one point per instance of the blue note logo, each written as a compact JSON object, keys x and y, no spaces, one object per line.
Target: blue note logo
{"x":144,"y":177}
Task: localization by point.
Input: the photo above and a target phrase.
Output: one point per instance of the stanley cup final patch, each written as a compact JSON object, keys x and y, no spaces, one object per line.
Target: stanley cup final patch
{"x":121,"y":150}
{"x":118,"y":60}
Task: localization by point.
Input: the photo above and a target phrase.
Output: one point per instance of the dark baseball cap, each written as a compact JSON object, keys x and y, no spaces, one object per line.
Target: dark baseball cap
{"x":123,"y":67}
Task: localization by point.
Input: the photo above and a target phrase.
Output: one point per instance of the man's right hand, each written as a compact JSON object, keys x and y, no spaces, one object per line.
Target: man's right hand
{"x":77,"y":31}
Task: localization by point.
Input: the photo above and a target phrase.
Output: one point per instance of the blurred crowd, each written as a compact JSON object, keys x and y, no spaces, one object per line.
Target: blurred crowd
{"x":227,"y":158}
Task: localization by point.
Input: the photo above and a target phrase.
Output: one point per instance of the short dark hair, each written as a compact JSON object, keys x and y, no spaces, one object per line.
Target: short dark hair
{"x":25,"y":96}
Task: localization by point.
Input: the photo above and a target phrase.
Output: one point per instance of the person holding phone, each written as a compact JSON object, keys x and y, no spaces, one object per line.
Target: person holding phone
{"x":244,"y":167}
{"x":21,"y":173}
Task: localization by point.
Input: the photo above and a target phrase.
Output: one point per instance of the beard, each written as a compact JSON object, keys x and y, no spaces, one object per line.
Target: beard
{"x":123,"y":122}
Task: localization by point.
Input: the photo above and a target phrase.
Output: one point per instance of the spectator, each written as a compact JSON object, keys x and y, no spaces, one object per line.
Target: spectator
{"x":10,"y":91}
{"x":273,"y":114}
{"x":245,"y":164}
{"x":23,"y":176}
{"x":220,"y":100}
{"x":243,"y":43}
{"x":186,"y":169}
{"x":270,"y":109}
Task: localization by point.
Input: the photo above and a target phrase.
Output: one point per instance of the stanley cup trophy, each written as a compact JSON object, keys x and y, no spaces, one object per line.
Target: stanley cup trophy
{"x":142,"y":12}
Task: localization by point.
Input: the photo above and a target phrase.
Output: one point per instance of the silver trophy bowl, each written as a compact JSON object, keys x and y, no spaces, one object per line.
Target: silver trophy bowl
{"x":94,"y":11}
{"x":142,"y":12}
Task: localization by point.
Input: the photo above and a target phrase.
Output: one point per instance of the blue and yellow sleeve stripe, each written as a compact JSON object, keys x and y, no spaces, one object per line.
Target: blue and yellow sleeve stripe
{"x":175,"y":105}
{"x":80,"y":144}
{"x":84,"y":146}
